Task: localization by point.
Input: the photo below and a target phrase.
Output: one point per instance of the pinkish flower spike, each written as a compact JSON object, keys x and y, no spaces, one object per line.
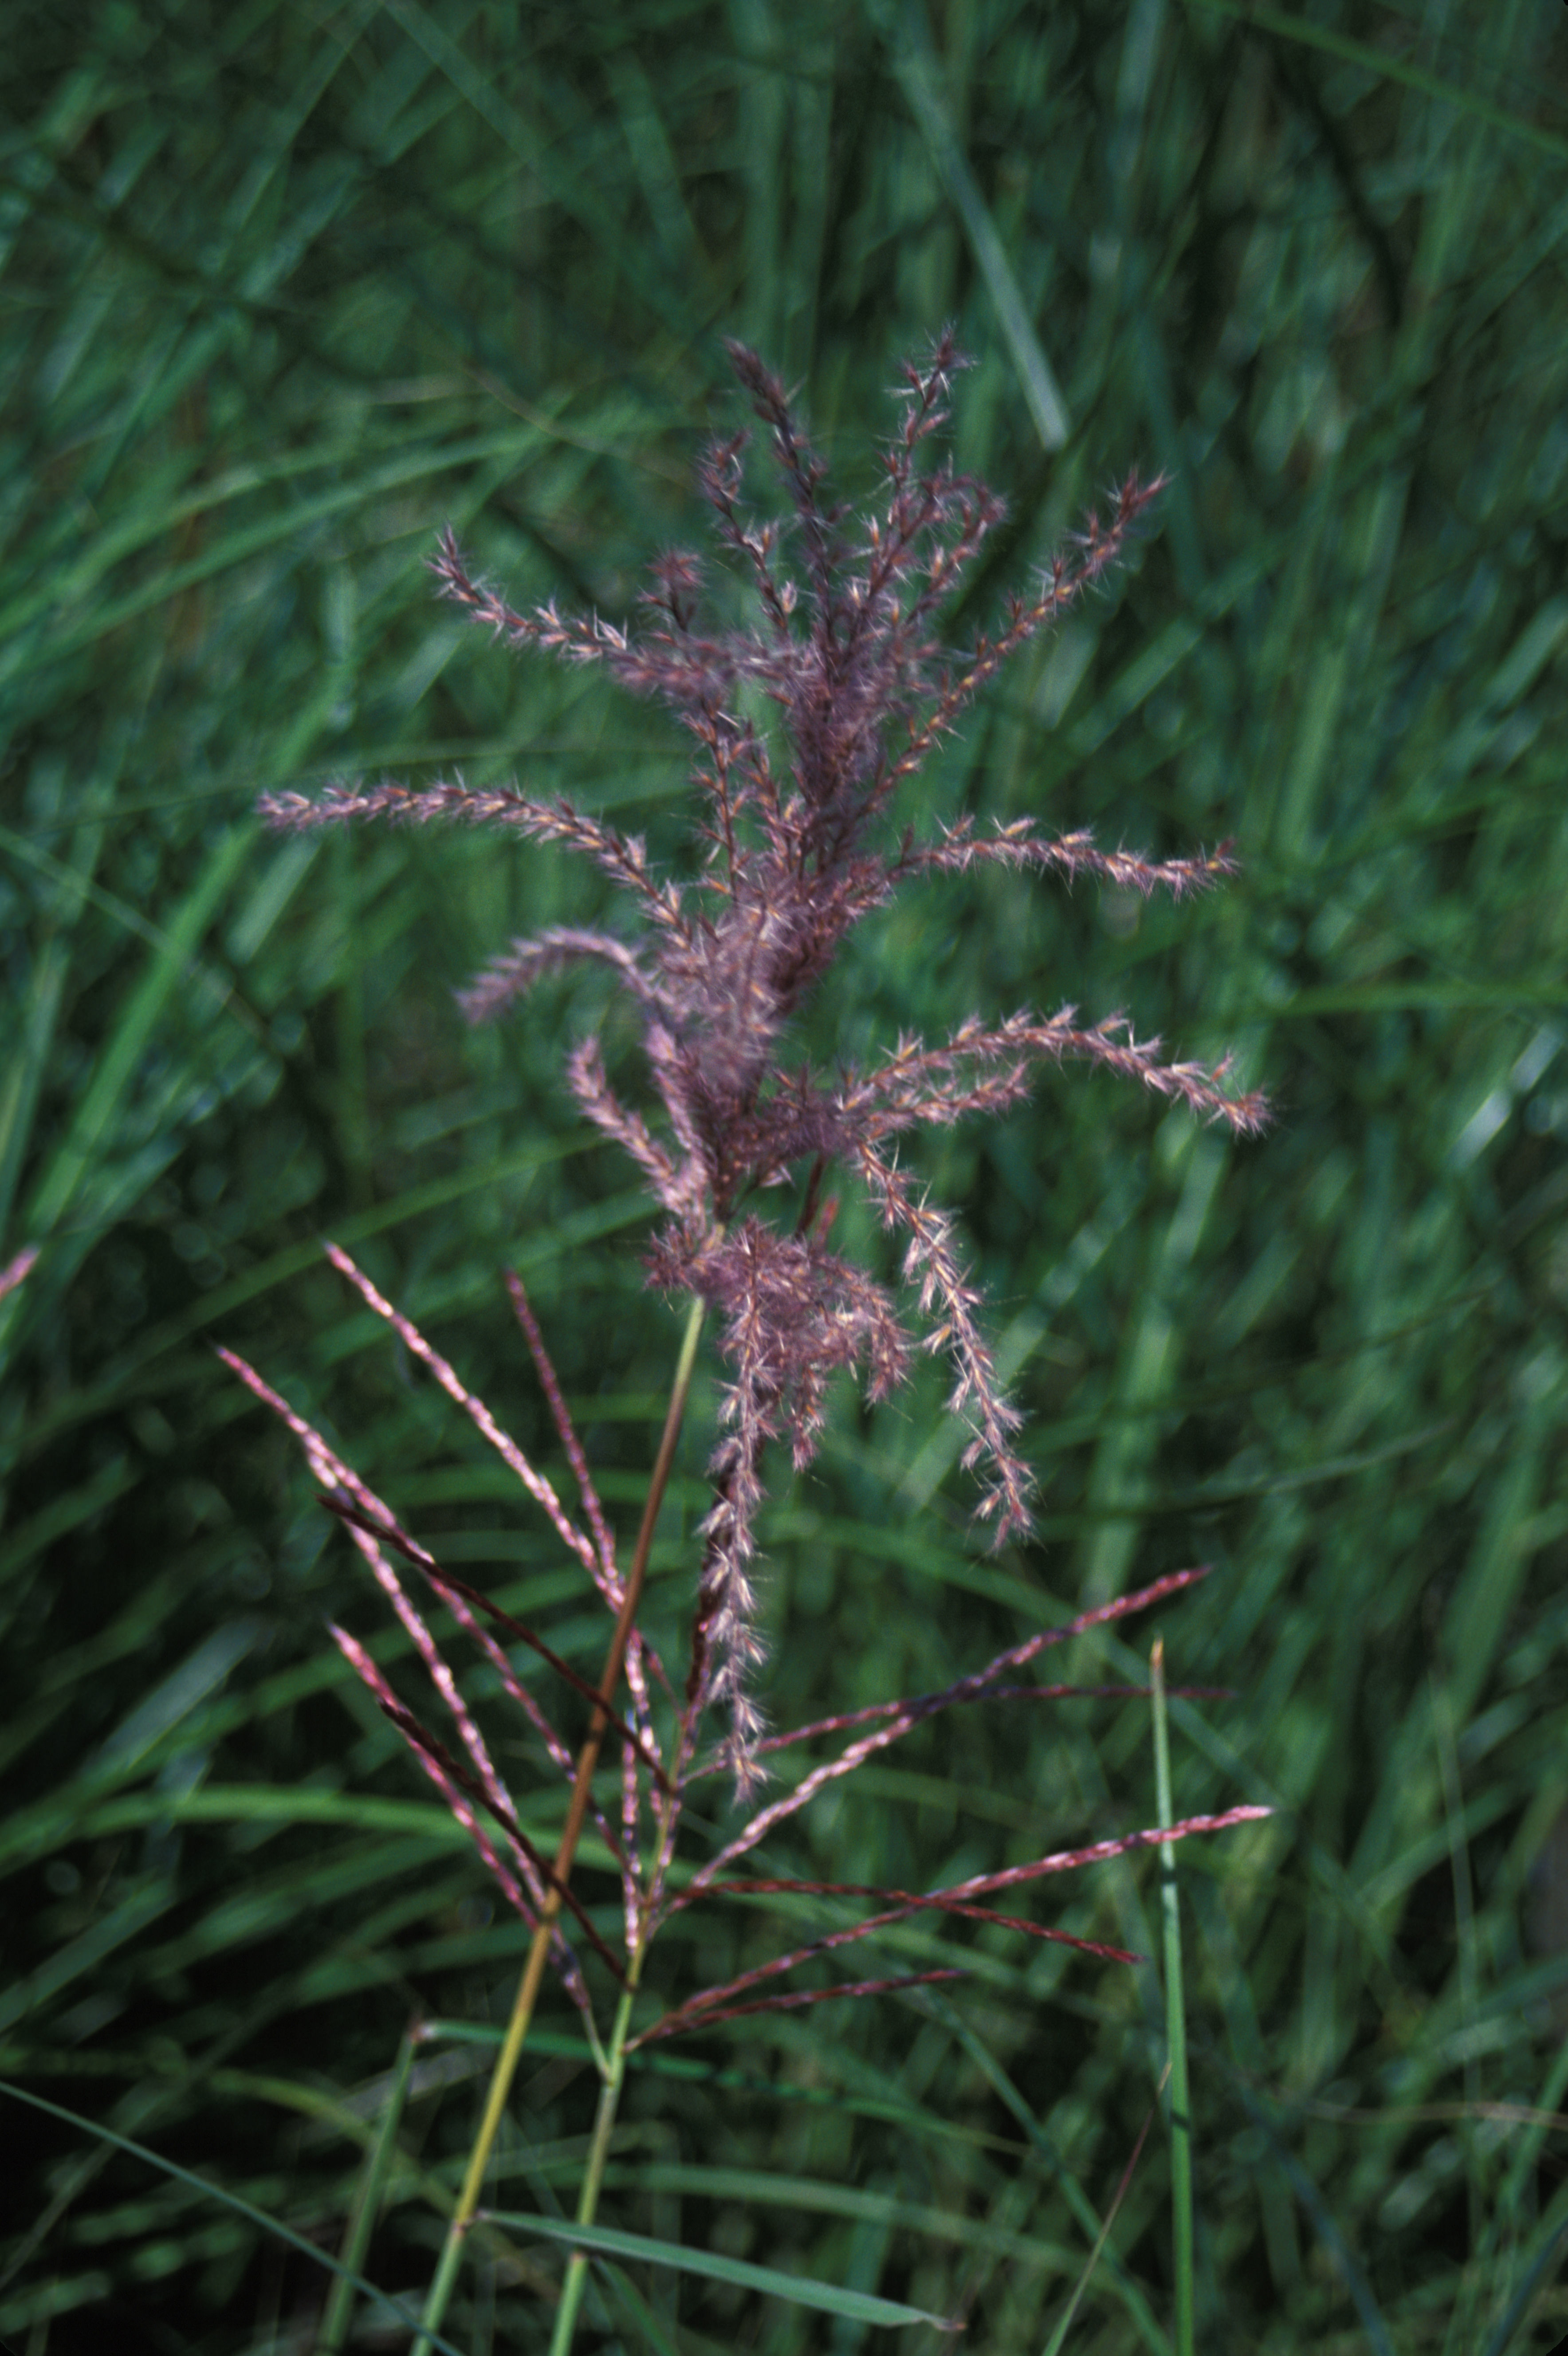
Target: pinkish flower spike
{"x":18,"y":1269}
{"x":512,"y":1455}
{"x":878,"y":1712}
{"x":333,"y":1474}
{"x":675,"y":2024}
{"x":952,"y":1901}
{"x":555,"y":1400}
{"x":1069,"y":1860}
{"x":457,"y":1596}
{"x":906,"y":1902}
{"x":438,"y":1768}
{"x":904,"y":1716}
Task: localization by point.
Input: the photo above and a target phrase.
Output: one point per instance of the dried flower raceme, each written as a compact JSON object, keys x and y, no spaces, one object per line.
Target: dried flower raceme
{"x":799,"y":842}
{"x":657,"y":1775}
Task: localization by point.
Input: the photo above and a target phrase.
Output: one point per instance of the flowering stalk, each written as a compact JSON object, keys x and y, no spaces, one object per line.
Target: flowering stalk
{"x":656,"y":1778}
{"x":797,"y":845}
{"x":1175,"y":2018}
{"x":565,"y":1855}
{"x":796,"y":850}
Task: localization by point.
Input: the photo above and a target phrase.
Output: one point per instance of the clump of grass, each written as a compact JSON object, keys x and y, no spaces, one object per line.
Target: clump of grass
{"x":799,"y":840}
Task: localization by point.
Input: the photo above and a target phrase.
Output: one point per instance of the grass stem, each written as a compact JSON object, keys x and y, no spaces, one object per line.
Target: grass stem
{"x":533,"y":1969}
{"x":1175,"y":2022}
{"x":598,"y":2153}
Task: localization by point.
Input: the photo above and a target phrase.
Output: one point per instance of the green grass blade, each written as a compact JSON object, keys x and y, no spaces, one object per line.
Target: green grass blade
{"x":1549,"y":2240}
{"x":167,"y":969}
{"x":1291,"y":27}
{"x":338,"y":2313}
{"x":909,"y":47}
{"x":826,"y":2299}
{"x":396,"y":2308}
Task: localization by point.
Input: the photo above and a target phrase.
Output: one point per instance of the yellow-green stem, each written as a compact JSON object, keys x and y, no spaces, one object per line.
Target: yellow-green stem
{"x":1175,"y":2023}
{"x":572,"y":2289}
{"x":577,"y":1809}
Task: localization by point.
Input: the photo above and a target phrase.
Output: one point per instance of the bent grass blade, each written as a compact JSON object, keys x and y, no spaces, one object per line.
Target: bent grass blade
{"x":397,"y":2308}
{"x":853,"y":2306}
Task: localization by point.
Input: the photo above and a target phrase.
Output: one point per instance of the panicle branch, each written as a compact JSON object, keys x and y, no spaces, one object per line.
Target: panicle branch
{"x":1013,"y":843}
{"x":506,"y":1448}
{"x":458,"y":1598}
{"x":592,"y":1511}
{"x":704,"y":2006}
{"x":899,"y":1718}
{"x":454,"y":1787}
{"x":339,"y":1479}
{"x":876,"y":1713}
{"x":458,"y":1595}
{"x":797,"y":2000}
{"x":453,"y":1782}
{"x":511,"y":977}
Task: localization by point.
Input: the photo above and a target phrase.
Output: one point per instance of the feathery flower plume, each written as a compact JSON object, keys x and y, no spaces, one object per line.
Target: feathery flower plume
{"x":799,"y":842}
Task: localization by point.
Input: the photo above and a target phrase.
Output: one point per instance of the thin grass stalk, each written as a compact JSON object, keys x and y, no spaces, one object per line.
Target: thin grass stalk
{"x":614,"y":2077}
{"x":1464,"y":1928}
{"x":1509,"y":2220}
{"x":533,"y":1970}
{"x":1054,"y":2345}
{"x":261,"y":2221}
{"x":338,"y":2313}
{"x":576,"y":2279}
{"x":1553,"y":2235}
{"x":1175,"y":2020}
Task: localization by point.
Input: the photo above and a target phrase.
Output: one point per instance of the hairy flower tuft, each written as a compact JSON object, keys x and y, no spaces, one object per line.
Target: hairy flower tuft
{"x":799,"y":844}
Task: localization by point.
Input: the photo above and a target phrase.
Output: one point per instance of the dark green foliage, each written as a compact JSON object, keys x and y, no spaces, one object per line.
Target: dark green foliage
{"x":282,"y":291}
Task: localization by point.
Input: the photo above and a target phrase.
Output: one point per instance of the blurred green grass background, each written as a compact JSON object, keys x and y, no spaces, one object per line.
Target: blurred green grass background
{"x":283,"y":289}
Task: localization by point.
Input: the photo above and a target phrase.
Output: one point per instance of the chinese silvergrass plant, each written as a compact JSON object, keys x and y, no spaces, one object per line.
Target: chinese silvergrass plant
{"x":799,"y":843}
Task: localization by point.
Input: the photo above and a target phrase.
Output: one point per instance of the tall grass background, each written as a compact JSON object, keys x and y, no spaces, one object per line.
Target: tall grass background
{"x":281,"y":290}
